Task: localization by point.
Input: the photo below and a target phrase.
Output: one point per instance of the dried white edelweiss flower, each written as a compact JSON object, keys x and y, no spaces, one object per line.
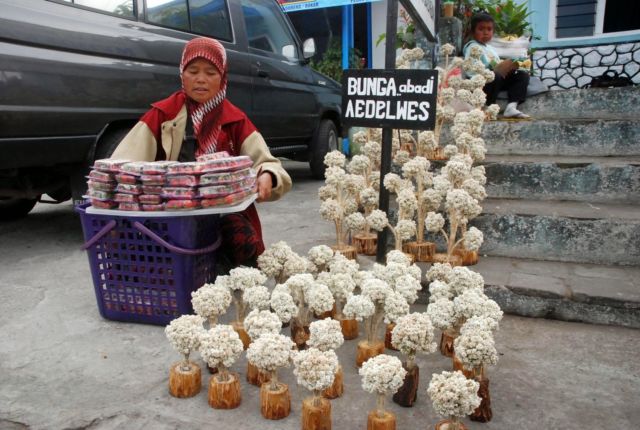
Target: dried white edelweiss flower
{"x":440,"y":272}
{"x":359,"y":164}
{"x":479,"y":323}
{"x":442,"y":185}
{"x":439,"y":290}
{"x":220,"y":346}
{"x":259,"y":322}
{"x":377,"y":219}
{"x":442,"y":313}
{"x":243,"y":278}
{"x":408,"y":286}
{"x":331,"y":210}
{"x":320,"y":255}
{"x":450,"y":151}
{"x":334,"y":159}
{"x":184,"y":333}
{"x":447,"y":49}
{"x":413,"y":333}
{"x":341,"y":285}
{"x":355,"y":222}
{"x":294,"y":265}
{"x":341,"y":264}
{"x":476,"y":349}
{"x":315,"y":369}
{"x":478,"y":173}
{"x":401,"y":157}
{"x":493,"y":110}
{"x":462,"y":279}
{"x":359,"y":307}
{"x":473,"y":303}
{"x":369,"y":198}
{"x":257,"y":297}
{"x":392,"y":182}
{"x":453,"y":394}
{"x":407,"y":201}
{"x":319,"y":298}
{"x":270,"y":351}
{"x":473,"y":239}
{"x":430,"y":200}
{"x":382,"y":374}
{"x":406,"y":229}
{"x":376,"y":290}
{"x":335,"y":176}
{"x":434,"y":222}
{"x":427,"y":140}
{"x":325,"y":334}
{"x":283,"y":305}
{"x":395,"y":306}
{"x":395,"y":256}
{"x":210,"y":300}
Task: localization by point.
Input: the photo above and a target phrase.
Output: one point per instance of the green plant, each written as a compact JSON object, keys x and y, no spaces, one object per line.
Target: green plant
{"x":331,"y":62}
{"x":510,"y":18}
{"x":406,"y":35}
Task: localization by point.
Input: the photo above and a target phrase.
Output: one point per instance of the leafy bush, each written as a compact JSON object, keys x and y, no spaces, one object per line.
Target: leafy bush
{"x":331,"y":62}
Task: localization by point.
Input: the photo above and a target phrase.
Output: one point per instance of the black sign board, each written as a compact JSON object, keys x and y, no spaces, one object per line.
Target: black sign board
{"x":403,"y":99}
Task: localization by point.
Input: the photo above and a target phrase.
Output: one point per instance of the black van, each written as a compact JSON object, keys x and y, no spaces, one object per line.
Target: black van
{"x":75,"y":76}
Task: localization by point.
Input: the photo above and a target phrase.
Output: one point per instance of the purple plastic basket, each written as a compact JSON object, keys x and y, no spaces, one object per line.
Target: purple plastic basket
{"x":145,"y":268}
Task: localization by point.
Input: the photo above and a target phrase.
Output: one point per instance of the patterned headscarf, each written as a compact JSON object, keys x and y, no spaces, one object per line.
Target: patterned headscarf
{"x":206,"y":116}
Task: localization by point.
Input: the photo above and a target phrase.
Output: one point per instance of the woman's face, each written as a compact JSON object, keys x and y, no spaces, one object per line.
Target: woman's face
{"x":483,"y":31}
{"x":201,"y":80}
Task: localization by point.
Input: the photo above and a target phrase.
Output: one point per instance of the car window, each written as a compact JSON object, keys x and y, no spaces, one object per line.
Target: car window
{"x":116,"y":7}
{"x":206,"y":17}
{"x":267,"y":29}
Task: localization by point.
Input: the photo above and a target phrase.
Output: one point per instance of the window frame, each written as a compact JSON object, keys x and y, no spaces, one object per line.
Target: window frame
{"x":189,"y":30}
{"x":101,"y":11}
{"x":597,"y":30}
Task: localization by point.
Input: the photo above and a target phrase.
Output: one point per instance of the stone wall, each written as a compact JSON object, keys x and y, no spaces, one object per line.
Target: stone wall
{"x":566,"y":68}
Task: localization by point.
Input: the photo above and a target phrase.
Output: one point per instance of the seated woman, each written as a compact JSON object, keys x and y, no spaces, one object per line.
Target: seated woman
{"x":198,"y":120}
{"x":508,"y":76}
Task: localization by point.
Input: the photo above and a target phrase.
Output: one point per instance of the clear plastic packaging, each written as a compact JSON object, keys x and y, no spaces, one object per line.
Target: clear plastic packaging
{"x":150,"y":199}
{"x":179,"y":193}
{"x":153,"y":179}
{"x":129,"y":188}
{"x":126,"y":206}
{"x":157,"y":167}
{"x":98,"y":176}
{"x":226,"y":177}
{"x":125,"y":178}
{"x":183,"y":180}
{"x":101,"y":186}
{"x":125,"y":198}
{"x":182,"y":204}
{"x":228,"y":200}
{"x":214,"y":156}
{"x":103,"y":204}
{"x":100,"y":195}
{"x":214,"y":191}
{"x":227,"y":164}
{"x":108,"y":165}
{"x":133,"y":168}
{"x":153,"y":208}
{"x":190,"y":168}
{"x":152,"y":189}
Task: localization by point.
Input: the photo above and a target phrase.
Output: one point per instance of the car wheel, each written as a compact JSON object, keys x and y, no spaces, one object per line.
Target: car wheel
{"x":109,"y":141}
{"x":12,"y":208}
{"x":325,"y":140}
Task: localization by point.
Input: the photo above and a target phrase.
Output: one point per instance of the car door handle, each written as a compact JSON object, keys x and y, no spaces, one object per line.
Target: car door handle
{"x":263,"y":73}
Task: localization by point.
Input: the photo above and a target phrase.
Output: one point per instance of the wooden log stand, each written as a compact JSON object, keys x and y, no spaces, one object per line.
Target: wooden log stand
{"x":422,"y":252}
{"x":349,"y":329}
{"x":275,"y":404}
{"x":457,"y":365}
{"x":365,"y":244}
{"x":256,"y":376}
{"x":367,"y":350}
{"x":446,"y":344}
{"x":328,"y":314}
{"x":447,"y":425}
{"x":408,"y":393}
{"x":224,"y":394}
{"x":441,"y":257}
{"x":244,"y":336}
{"x":385,"y":422}
{"x":346,"y":250}
{"x":299,"y":333}
{"x":316,"y":414}
{"x":387,"y":337}
{"x":184,"y":383}
{"x":468,"y":258}
{"x":437,"y":154}
{"x":337,"y":388}
{"x":483,"y":413}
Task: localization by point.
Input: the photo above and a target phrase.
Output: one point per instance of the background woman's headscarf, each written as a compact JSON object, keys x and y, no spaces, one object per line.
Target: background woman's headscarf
{"x":206,"y":116}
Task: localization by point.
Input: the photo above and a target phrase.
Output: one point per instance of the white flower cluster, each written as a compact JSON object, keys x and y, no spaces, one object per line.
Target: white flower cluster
{"x":427,"y":141}
{"x":211,"y":300}
{"x":359,"y":164}
{"x":184,"y":333}
{"x":382,"y":374}
{"x":325,"y":334}
{"x":272,"y":260}
{"x":439,"y":290}
{"x":474,"y":188}
{"x":220,"y":346}
{"x":430,"y":199}
{"x":319,"y":298}
{"x":474,"y":302}
{"x":359,"y":307}
{"x":334,"y":159}
{"x":461,"y":279}
{"x":331,"y":210}
{"x":270,"y":351}
{"x":243,"y":278}
{"x":341,"y":264}
{"x":434,"y":222}
{"x":296,"y":264}
{"x":341,"y":285}
{"x":315,"y":370}
{"x":440,"y":272}
{"x":326,"y":192}
{"x":460,"y":201}
{"x":259,"y":322}
{"x":283,"y":304}
{"x":369,"y":198}
{"x":475,"y":349}
{"x":395,"y":256}
{"x":355,"y":222}
{"x":473,"y":239}
{"x":413,"y":333}
{"x":407,"y":202}
{"x":442,"y":313}
{"x":395,"y":306}
{"x":393,"y":183}
{"x":257,"y":297}
{"x":377,"y":219}
{"x":479,"y":323}
{"x":447,"y":49}
{"x":299,"y":285}
{"x":405,"y":229}
{"x":453,"y":394}
{"x":376,"y":290}
{"x":320,"y":255}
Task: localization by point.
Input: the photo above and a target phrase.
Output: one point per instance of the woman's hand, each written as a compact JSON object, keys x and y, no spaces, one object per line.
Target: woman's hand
{"x":505,"y":67}
{"x":264,"y":185}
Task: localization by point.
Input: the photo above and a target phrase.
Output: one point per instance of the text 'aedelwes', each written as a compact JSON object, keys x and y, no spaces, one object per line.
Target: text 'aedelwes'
{"x":403,"y":99}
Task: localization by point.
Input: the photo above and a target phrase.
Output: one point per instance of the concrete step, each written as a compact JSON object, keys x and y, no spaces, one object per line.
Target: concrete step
{"x":592,"y":179}
{"x":579,"y":232}
{"x":591,"y":103}
{"x":568,"y":137}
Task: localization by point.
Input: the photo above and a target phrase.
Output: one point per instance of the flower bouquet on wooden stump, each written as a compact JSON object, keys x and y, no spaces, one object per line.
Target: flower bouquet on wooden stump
{"x":257,"y":323}
{"x":341,"y":286}
{"x":320,"y":256}
{"x":269,"y":352}
{"x":413,"y":333}
{"x":339,"y":199}
{"x":369,"y":306}
{"x":475,"y":348}
{"x":395,"y":306}
{"x":239,"y":281}
{"x":309,"y":296}
{"x":280,"y":262}
{"x":315,"y":371}
{"x":326,"y":335}
{"x":382,"y":375}
{"x":417,"y":170}
{"x":368,"y":198}
{"x":220,"y":347}
{"x":453,"y":396}
{"x":184,"y":335}
{"x":210,"y":301}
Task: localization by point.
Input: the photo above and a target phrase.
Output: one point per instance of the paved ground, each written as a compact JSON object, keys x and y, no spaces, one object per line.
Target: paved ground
{"x":64,"y":367}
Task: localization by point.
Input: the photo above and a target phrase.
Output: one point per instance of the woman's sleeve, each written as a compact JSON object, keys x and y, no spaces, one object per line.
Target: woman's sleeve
{"x":254,"y":145}
{"x":141,"y":143}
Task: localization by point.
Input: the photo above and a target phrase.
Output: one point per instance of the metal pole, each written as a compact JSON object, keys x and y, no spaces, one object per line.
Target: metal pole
{"x":369,"y":39}
{"x":385,"y":165}
{"x":347,"y":32}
